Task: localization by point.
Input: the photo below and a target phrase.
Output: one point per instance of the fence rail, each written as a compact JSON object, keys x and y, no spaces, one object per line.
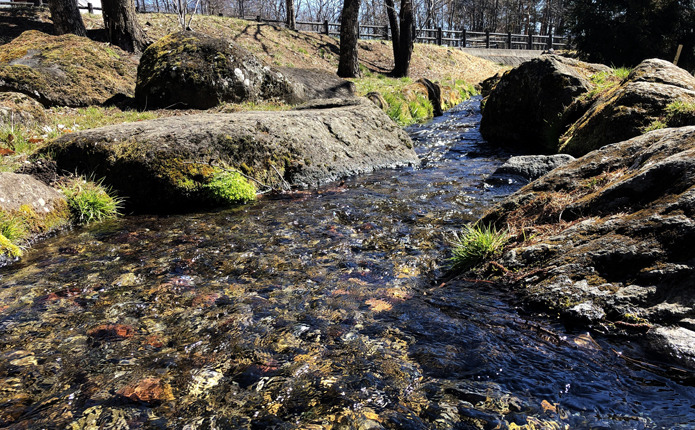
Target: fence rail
{"x":436,"y":36}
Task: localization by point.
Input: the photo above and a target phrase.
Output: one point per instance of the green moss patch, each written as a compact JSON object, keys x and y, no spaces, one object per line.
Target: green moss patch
{"x":230,"y":187}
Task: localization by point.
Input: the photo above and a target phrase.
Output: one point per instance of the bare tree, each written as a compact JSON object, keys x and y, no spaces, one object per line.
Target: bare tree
{"x":406,"y":35}
{"x":66,"y":17}
{"x":122,"y":27}
{"x":291,"y":20}
{"x":348,"y":65}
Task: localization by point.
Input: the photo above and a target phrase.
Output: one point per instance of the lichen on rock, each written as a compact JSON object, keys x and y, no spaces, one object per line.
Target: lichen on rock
{"x":65,"y":70}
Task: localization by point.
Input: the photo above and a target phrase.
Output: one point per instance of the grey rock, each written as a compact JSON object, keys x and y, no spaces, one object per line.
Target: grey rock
{"x":526,"y":168}
{"x":678,"y":343}
{"x":619,"y":220}
{"x":163,"y":164}
{"x":527,"y":105}
{"x":624,"y":112}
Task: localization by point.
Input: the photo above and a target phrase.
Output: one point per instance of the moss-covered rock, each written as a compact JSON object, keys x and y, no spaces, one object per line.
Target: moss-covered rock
{"x":607,"y":239}
{"x":194,"y":70}
{"x":28,"y":209}
{"x":172,"y":164}
{"x":527,"y":107}
{"x":65,"y":70}
{"x":628,"y":109}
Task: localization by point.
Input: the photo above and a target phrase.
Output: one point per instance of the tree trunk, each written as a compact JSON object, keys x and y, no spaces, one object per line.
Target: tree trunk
{"x":348,"y":66}
{"x":66,"y":17}
{"x":122,"y":27}
{"x":291,"y":21}
{"x":405,"y":48}
{"x":393,"y":23}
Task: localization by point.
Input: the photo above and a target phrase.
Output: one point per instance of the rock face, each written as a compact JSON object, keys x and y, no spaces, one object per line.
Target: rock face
{"x":611,"y":240}
{"x":65,"y":70}
{"x":193,"y":70}
{"x":625,"y":111}
{"x":527,"y":106}
{"x":163,"y":165}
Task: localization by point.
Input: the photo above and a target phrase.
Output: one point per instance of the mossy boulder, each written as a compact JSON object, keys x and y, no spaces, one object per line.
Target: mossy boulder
{"x":527,"y":107}
{"x":28,"y":209}
{"x":194,"y":70}
{"x":168,"y":164}
{"x":606,"y":240}
{"x":628,"y":109}
{"x":65,"y":70}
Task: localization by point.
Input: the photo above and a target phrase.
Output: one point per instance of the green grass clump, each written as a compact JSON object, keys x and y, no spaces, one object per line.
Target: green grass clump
{"x":90,"y":201}
{"x":8,"y":248}
{"x":605,"y":81}
{"x":13,"y":228}
{"x":676,"y":114}
{"x":230,"y":187}
{"x":404,"y":109}
{"x":477,"y":244}
{"x":679,"y":114}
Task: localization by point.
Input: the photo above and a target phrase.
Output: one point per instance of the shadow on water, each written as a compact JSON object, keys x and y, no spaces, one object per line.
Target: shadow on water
{"x":315,"y":310}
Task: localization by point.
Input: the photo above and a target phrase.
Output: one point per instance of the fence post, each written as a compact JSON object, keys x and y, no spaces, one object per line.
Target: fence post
{"x":90,"y":8}
{"x":550,"y":40}
{"x":258,"y":18}
{"x":463,"y":38}
{"x":487,"y":39}
{"x":440,"y":36}
{"x":325,"y":27}
{"x":509,"y":40}
{"x":530,"y":40}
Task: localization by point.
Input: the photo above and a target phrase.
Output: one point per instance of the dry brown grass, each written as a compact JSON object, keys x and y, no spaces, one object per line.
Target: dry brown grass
{"x":282,"y":47}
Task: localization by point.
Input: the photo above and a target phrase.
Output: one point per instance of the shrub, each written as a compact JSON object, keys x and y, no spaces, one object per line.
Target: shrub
{"x":230,"y":187}
{"x":477,"y":244}
{"x":90,"y":201}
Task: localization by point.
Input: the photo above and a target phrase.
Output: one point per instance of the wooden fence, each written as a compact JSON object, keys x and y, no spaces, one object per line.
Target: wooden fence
{"x":436,"y":36}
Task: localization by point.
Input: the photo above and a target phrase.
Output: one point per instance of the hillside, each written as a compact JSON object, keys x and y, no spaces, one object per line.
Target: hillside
{"x":279,"y":46}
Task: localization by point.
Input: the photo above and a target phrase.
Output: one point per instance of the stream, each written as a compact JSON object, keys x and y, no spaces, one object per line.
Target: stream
{"x":315,"y":310}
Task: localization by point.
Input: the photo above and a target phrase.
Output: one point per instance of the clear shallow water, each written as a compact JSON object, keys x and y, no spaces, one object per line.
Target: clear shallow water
{"x":316,"y":310}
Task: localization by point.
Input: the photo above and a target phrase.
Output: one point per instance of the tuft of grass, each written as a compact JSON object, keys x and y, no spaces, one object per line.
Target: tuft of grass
{"x":13,"y":228}
{"x":605,"y":81}
{"x":90,"y":201}
{"x":477,"y":244}
{"x":676,"y":114}
{"x":230,"y":187}
{"x":8,"y":248}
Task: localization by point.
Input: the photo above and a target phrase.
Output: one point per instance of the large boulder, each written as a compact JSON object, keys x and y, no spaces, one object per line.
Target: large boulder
{"x":194,"y":70}
{"x":626,"y":110}
{"x":527,"y":106}
{"x":607,"y":240}
{"x":164,"y":165}
{"x":312,"y":84}
{"x":65,"y":70}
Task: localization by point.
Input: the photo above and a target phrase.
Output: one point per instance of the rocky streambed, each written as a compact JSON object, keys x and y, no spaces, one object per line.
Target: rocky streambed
{"x":318,"y":309}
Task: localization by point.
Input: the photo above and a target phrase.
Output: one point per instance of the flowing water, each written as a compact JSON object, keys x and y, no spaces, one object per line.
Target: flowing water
{"x":317,"y":310}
